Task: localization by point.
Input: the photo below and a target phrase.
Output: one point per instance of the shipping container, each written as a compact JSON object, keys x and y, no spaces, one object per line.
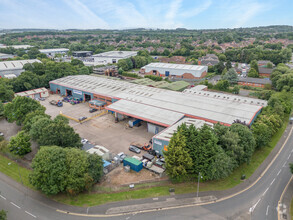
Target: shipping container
{"x":134,"y":164}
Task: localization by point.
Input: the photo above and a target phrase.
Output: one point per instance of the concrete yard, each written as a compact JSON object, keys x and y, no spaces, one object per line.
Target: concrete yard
{"x":101,"y":130}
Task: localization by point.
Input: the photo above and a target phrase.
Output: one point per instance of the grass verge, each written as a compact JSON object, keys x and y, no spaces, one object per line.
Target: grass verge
{"x":13,"y":170}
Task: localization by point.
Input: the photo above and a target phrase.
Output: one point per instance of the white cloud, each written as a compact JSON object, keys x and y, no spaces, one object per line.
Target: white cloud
{"x":90,"y":19}
{"x":197,"y":10}
{"x":173,"y":9}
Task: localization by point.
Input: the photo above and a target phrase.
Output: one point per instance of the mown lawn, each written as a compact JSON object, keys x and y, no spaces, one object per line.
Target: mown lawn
{"x":10,"y":168}
{"x":150,"y":190}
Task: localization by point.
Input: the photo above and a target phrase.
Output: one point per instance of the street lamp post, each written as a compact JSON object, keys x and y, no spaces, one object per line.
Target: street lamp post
{"x":198,"y":183}
{"x":18,"y":171}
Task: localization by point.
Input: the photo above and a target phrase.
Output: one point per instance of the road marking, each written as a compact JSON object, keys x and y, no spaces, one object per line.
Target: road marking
{"x":30,"y":214}
{"x":265,"y":191}
{"x":3,"y":197}
{"x":155,"y":198}
{"x":267,"y":212}
{"x":281,"y":198}
{"x":190,"y":205}
{"x":288,"y":157}
{"x":87,"y":210}
{"x":284,"y":164}
{"x":273,"y":181}
{"x":15,"y":205}
{"x":279,"y":172}
{"x":292,"y":151}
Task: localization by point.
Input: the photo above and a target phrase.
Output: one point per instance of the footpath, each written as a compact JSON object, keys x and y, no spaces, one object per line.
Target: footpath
{"x":151,"y":204}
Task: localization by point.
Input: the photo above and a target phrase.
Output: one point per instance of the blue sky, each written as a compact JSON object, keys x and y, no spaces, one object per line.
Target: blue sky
{"x":120,"y":14}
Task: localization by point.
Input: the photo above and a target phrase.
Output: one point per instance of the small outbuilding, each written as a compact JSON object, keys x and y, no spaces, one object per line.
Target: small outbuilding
{"x":133,"y":163}
{"x":34,"y":93}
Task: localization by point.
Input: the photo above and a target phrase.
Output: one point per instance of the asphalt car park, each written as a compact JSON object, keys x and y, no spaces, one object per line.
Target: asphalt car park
{"x":102,"y":130}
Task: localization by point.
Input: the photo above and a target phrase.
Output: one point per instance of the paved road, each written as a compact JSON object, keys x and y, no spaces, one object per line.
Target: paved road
{"x":261,"y":198}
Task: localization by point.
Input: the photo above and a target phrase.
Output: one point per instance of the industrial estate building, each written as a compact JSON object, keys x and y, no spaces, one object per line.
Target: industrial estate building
{"x":53,"y":52}
{"x":112,"y":57}
{"x":14,"y":67}
{"x":4,"y":56}
{"x":184,"y":71}
{"x":25,"y":47}
{"x":160,"y":108}
{"x":34,"y":93}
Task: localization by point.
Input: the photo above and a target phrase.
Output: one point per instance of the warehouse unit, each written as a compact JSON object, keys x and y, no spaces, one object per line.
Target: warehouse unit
{"x":171,"y":70}
{"x":160,"y":106}
{"x":34,"y":93}
{"x":161,"y":140}
{"x":53,"y":52}
{"x":112,"y":57}
{"x":14,"y":67}
{"x":4,"y":56}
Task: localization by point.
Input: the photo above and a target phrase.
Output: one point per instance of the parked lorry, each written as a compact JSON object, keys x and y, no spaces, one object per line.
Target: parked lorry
{"x":57,"y":103}
{"x":145,"y":147}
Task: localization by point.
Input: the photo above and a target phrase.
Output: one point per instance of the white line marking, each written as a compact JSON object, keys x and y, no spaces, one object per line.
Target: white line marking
{"x":279,"y":172}
{"x":87,"y":210}
{"x":3,"y":197}
{"x":30,"y":214}
{"x":15,"y":205}
{"x":273,"y":181}
{"x":155,"y":198}
{"x":265,"y":191}
{"x":288,"y":157}
{"x":284,"y":164}
{"x":267,"y":212}
{"x":292,"y":151}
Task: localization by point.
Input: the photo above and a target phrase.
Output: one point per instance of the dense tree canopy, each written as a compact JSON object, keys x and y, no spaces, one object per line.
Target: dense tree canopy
{"x":20,"y":144}
{"x":68,"y":170}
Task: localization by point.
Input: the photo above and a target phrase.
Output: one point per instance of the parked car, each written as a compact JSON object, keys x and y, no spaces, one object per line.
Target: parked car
{"x":82,"y":118}
{"x":134,"y":149}
{"x":1,"y":134}
{"x":84,"y":141}
{"x":93,"y":110}
{"x":119,"y":157}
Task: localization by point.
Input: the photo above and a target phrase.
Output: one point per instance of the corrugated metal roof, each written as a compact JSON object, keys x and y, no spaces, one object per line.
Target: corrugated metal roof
{"x":54,"y":50}
{"x":31,"y":92}
{"x":168,"y":132}
{"x":175,"y":66}
{"x":213,"y":106}
{"x":146,"y":112}
{"x":118,"y":54}
{"x":15,"y":64}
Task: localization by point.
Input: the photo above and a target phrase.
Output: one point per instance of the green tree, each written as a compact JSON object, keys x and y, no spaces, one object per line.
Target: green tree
{"x":231,"y":76}
{"x":222,"y":85}
{"x":33,"y":52}
{"x":49,"y":170}
{"x":84,"y":71}
{"x":177,"y":158}
{"x":20,"y":107}
{"x":77,"y":62}
{"x":120,"y":71}
{"x":6,"y":92}
{"x":32,"y":117}
{"x":247,"y":142}
{"x":236,"y":90}
{"x":254,"y":65}
{"x":222,"y":57}
{"x":56,"y":169}
{"x":3,"y":215}
{"x":60,"y":134}
{"x":20,"y":144}
{"x":253,"y":73}
{"x":61,"y":118}
{"x":95,"y":168}
{"x":39,"y":123}
{"x":262,"y":133}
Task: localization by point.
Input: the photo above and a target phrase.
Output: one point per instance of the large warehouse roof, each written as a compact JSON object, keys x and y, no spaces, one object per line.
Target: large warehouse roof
{"x":175,"y":66}
{"x":148,"y":113}
{"x":54,"y":50}
{"x":168,"y":133}
{"x":116,"y":54}
{"x":210,"y":106}
{"x":15,"y":64}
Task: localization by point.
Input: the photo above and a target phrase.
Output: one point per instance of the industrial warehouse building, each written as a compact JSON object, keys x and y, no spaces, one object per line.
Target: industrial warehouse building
{"x":53,"y":52}
{"x":14,"y":67}
{"x":171,"y":70}
{"x":34,"y":93}
{"x":112,"y":57}
{"x":160,"y":108}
